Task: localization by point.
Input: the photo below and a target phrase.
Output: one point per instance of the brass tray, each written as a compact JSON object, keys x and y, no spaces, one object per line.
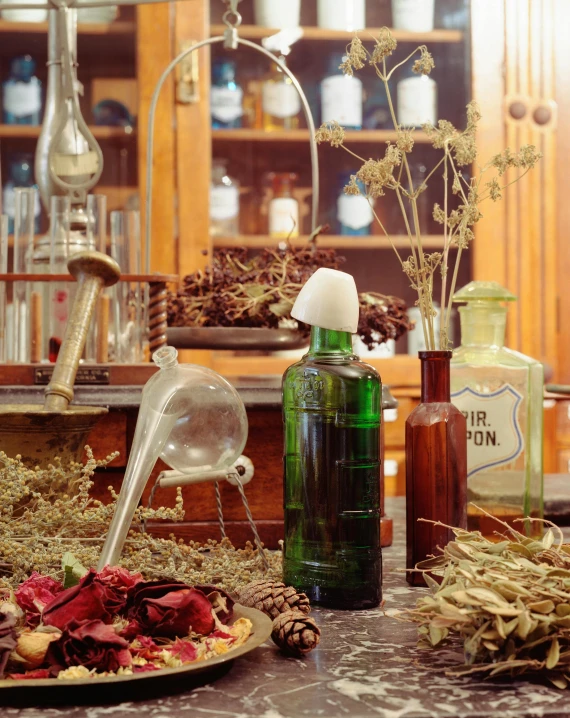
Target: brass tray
{"x":42,"y":691}
{"x":235,"y":338}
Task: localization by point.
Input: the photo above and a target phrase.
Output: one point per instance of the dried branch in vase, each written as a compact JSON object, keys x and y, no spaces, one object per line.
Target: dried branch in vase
{"x":507,"y":601}
{"x":237,"y":291}
{"x":462,"y":195}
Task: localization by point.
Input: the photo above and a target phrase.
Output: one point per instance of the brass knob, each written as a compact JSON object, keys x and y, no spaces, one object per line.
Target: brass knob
{"x":517,"y":109}
{"x":93,"y":271}
{"x":542,"y":115}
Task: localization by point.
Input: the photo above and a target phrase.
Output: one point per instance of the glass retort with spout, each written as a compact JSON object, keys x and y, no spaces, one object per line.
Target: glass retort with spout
{"x":191,"y":418}
{"x":500,"y":392}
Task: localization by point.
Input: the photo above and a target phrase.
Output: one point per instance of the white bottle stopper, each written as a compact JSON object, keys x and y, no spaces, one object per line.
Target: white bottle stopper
{"x":328,"y":300}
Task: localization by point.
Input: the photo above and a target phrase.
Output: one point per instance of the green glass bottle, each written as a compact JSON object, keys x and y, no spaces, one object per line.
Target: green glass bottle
{"x":332,"y":410}
{"x":500,"y":393}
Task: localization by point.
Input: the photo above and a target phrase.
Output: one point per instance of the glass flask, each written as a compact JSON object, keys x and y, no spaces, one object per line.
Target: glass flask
{"x":500,"y":392}
{"x":189,"y":416}
{"x":224,"y":202}
{"x":341,"y":96}
{"x":354,"y":212}
{"x":331,"y":411}
{"x":283,"y":209}
{"x":436,"y":465}
{"x":280,"y":101}
{"x":22,"y":93}
{"x":226,"y":96}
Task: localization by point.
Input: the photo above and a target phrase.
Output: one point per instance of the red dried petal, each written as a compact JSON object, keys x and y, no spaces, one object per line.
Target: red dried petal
{"x":38,"y":673}
{"x":186,"y":651}
{"x":145,"y":668}
{"x":92,"y":644}
{"x":36,"y":592}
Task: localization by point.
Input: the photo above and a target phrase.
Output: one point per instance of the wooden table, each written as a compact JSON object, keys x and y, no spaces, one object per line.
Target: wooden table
{"x":367,"y":666}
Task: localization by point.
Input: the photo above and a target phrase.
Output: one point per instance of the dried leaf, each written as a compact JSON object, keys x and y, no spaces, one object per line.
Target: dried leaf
{"x":548,"y":539}
{"x":546,"y":606}
{"x":553,"y":654}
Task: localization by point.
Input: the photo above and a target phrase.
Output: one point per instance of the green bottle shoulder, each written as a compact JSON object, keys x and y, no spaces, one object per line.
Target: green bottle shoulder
{"x":345,"y":367}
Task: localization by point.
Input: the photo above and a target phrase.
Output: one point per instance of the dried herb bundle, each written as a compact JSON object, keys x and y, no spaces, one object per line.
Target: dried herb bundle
{"x":391,"y":171}
{"x":238,"y":291}
{"x":40,"y":523}
{"x":508,"y":601}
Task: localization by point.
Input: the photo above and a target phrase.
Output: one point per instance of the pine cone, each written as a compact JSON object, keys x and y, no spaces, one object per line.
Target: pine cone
{"x":295,"y":633}
{"x":273,"y":598}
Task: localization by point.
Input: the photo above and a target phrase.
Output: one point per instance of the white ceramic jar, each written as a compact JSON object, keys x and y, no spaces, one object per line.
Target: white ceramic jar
{"x":417,"y":101}
{"x":24,"y":15}
{"x":341,"y":14}
{"x":413,"y":15}
{"x":280,"y":14}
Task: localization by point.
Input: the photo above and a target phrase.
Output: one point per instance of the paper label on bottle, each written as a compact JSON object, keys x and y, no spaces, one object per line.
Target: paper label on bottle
{"x":347,"y":15}
{"x":224,"y":202}
{"x":226,"y":105}
{"x":280,"y":99}
{"x":413,"y":15}
{"x":354,"y":211}
{"x":494,"y":434}
{"x":22,"y":98}
{"x":341,"y":100}
{"x":284,"y":217}
{"x":417,"y":101}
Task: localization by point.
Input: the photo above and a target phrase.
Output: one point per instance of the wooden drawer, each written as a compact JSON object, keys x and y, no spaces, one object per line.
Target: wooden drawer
{"x":394,"y":431}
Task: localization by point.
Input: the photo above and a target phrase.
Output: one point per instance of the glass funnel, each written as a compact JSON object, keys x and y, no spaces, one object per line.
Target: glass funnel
{"x":190,"y":417}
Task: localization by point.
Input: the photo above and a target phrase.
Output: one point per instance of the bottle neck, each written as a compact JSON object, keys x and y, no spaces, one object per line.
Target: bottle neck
{"x":435,"y":376}
{"x":483,"y":324}
{"x":328,"y":341}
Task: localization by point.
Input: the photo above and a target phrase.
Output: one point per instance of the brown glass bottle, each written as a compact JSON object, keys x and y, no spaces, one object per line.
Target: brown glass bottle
{"x":436,"y":465}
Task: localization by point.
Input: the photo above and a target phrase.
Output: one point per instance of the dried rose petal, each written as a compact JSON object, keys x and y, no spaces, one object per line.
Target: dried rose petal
{"x":38,"y":673}
{"x":92,"y":644}
{"x":90,"y":599}
{"x":170,"y":609}
{"x":120,"y":578}
{"x":222,"y":602}
{"x":7,"y":638}
{"x":35,"y":593}
{"x":186,"y":651}
{"x":145,"y":668}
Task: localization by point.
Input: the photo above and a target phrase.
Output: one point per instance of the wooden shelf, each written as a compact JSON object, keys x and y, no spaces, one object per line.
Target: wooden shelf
{"x":250,"y":135}
{"x":119,"y":27}
{"x":434,"y":241}
{"x":255,"y":32}
{"x":33,"y":131}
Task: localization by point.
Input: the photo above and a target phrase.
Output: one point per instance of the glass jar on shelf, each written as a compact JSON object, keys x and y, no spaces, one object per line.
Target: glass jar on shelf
{"x":283,"y":208}
{"x":20,"y":174}
{"x":413,"y":15}
{"x":280,"y":101}
{"x":354,"y":212}
{"x":341,"y":96}
{"x":22,"y":93}
{"x":224,"y":202}
{"x":348,"y":15}
{"x":277,"y":13}
{"x":226,"y":96}
{"x":416,"y":98}
{"x":37,"y":15}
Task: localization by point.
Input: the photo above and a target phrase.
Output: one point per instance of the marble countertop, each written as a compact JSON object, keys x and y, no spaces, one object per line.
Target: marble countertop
{"x":367,"y":665}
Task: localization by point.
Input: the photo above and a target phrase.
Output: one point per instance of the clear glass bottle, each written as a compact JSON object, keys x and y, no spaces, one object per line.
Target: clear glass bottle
{"x":347,"y":15}
{"x":354,"y":212}
{"x":341,"y":96}
{"x":280,"y":101}
{"x":22,"y":93}
{"x":20,"y":174}
{"x":416,"y":98}
{"x":224,"y":202}
{"x":226,"y":96}
{"x":500,"y":392}
{"x":283,"y":208}
{"x":331,"y":411}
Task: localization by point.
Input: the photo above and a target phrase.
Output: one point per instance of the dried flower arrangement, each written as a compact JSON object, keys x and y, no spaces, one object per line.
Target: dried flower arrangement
{"x":112,"y":623}
{"x":46,"y":513}
{"x":259,"y":292}
{"x":462,"y":196}
{"x":507,"y":600}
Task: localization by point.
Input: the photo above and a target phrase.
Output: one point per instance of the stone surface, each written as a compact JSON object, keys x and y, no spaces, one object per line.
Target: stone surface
{"x":367,"y":665}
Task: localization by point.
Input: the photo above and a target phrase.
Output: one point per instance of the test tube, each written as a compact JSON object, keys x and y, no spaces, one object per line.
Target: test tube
{"x":24,"y":226}
{"x":97,"y":344}
{"x":3,"y":270}
{"x":59,"y":294}
{"x":128,"y":313}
